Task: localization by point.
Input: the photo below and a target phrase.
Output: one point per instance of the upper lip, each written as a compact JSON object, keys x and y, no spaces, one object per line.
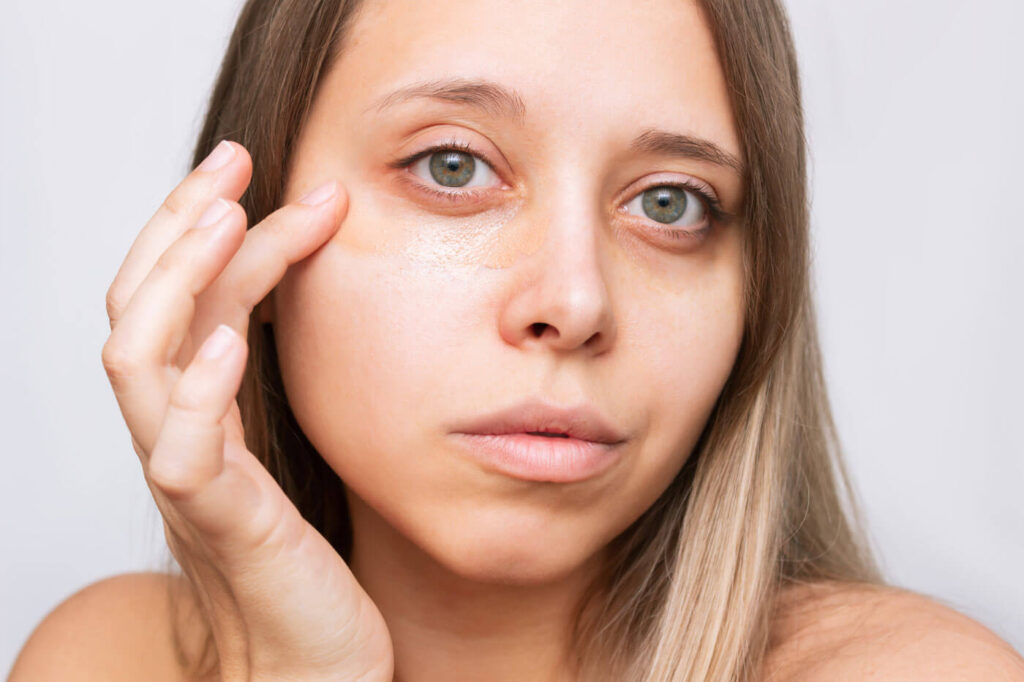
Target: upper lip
{"x":582,"y":422}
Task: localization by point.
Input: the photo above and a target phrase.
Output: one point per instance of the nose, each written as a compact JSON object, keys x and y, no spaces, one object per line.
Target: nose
{"x":559,"y":296}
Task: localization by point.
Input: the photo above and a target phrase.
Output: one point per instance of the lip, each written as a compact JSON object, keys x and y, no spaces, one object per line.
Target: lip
{"x":539,"y":458}
{"x":501,"y":442}
{"x":581,"y":422}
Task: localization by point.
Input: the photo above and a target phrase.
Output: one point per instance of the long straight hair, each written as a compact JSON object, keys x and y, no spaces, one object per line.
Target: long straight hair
{"x":692,"y":586}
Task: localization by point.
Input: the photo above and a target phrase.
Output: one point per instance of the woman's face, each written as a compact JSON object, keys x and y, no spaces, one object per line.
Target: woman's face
{"x":556,"y":275}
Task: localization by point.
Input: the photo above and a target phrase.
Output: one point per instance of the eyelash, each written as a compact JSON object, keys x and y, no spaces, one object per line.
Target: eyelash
{"x":712,"y":205}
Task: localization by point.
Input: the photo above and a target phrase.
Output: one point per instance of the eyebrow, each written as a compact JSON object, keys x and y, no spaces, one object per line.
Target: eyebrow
{"x":488,"y":96}
{"x":501,"y":102}
{"x":664,"y":143}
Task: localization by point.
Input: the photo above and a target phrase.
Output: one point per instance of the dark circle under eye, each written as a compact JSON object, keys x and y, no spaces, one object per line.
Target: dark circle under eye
{"x":452,"y":168}
{"x":664,"y":204}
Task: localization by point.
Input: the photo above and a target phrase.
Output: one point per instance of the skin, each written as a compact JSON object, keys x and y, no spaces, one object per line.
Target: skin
{"x":473,"y":572}
{"x":414,"y":315}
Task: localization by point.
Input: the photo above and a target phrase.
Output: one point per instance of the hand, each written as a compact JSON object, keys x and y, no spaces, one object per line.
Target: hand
{"x":282,"y":603}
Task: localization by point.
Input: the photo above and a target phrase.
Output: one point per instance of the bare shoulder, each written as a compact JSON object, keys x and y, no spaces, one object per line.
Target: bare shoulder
{"x":117,"y":628}
{"x":838,"y":632}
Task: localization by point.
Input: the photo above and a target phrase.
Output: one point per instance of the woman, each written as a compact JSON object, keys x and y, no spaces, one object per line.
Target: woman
{"x":445,"y":229}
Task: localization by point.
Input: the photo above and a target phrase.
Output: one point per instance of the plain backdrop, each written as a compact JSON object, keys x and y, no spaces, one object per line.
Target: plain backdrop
{"x":914,"y":114}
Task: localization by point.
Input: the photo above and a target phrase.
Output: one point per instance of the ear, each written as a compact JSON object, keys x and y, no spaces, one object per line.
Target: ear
{"x":265,"y":309}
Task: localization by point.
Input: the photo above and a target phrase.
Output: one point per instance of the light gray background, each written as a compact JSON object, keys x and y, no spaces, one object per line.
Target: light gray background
{"x":914,"y":118}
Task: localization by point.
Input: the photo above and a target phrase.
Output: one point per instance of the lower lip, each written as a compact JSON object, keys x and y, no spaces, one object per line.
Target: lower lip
{"x":540,"y":458}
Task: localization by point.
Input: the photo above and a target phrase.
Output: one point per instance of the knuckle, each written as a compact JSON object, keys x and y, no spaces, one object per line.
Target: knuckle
{"x":282,"y":222}
{"x":178,"y":202}
{"x":279,"y":222}
{"x":187,"y":401}
{"x":171,"y":471}
{"x":166,"y":262}
{"x":170,"y":481}
{"x":276,"y":533}
{"x":118,"y":362}
{"x":174,"y":266}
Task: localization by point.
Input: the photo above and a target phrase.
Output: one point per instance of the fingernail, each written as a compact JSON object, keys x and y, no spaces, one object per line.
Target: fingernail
{"x":214,"y":213}
{"x":218,"y":158}
{"x":218,"y":343}
{"x":320,"y":194}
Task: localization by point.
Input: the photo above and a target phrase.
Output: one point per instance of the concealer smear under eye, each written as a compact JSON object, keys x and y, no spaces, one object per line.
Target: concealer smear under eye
{"x":457,"y":245}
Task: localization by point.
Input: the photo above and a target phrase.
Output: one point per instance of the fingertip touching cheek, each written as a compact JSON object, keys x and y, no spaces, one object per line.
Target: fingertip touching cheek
{"x":501,"y":183}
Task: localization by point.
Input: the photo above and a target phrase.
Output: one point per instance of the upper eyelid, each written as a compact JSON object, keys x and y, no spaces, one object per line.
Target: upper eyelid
{"x":661,"y":179}
{"x":450,"y":143}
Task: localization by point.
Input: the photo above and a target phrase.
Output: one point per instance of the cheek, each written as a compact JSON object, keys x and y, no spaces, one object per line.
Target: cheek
{"x":691,"y":325}
{"x":364,"y":341}
{"x":683,"y":348}
{"x":695,"y":356}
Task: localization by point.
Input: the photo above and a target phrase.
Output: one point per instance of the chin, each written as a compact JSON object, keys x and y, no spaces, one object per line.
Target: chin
{"x":484,"y":536}
{"x":505,"y":549}
{"x":515,"y":566}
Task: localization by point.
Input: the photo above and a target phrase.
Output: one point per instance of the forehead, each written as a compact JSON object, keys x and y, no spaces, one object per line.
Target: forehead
{"x":582,"y":67}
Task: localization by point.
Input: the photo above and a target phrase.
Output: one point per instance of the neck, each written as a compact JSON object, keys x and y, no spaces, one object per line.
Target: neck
{"x":446,"y":626}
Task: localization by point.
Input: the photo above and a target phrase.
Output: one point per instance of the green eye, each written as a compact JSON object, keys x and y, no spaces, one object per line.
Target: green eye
{"x":664,"y":204}
{"x":670,"y":205}
{"x":452,"y":169}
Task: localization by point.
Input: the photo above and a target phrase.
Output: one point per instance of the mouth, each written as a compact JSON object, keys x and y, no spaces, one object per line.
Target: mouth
{"x":537,"y":441}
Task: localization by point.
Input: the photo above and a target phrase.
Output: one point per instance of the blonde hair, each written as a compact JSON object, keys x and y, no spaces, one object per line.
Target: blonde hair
{"x":691,"y":587}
